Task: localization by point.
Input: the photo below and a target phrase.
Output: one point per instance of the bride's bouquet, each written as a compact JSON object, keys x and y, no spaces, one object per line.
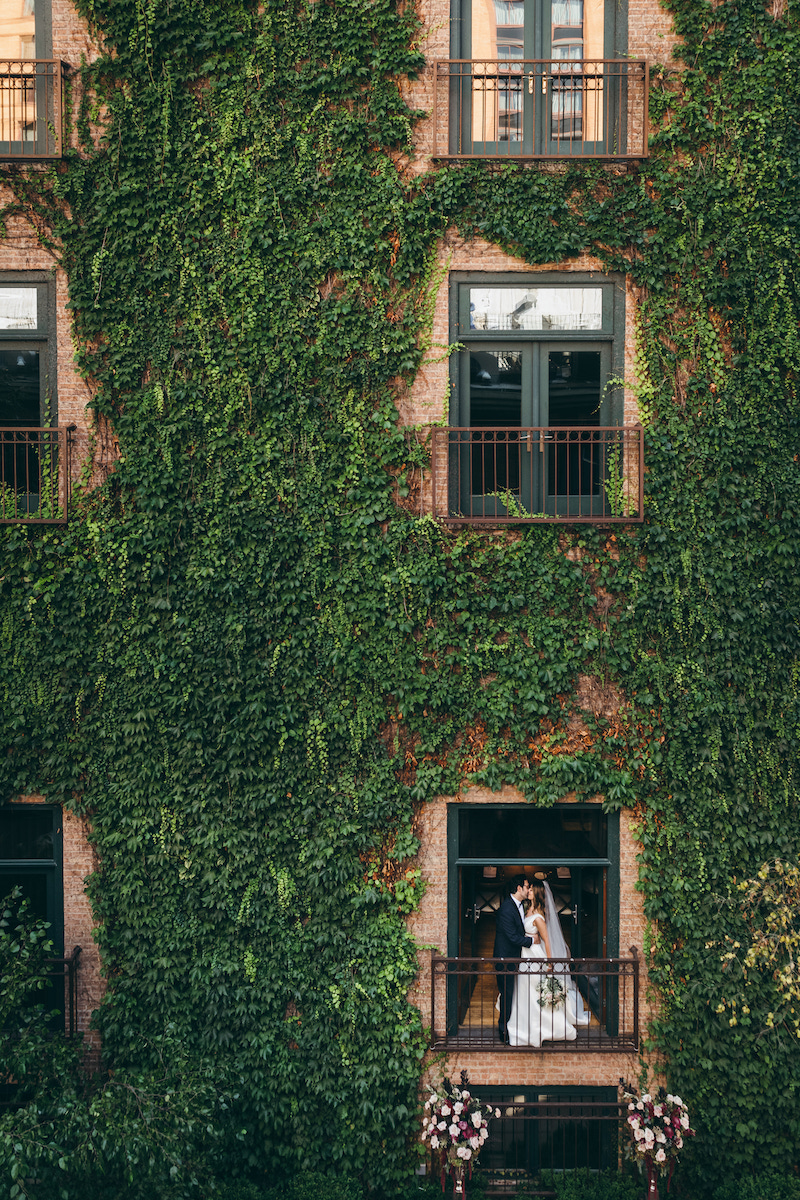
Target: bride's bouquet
{"x":456,"y":1125}
{"x":550,"y":991}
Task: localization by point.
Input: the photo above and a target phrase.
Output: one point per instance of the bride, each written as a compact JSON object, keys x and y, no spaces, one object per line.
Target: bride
{"x":542,"y":1010}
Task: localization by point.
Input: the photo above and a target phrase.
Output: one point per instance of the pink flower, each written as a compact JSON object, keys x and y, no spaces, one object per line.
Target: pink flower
{"x":679,"y":1142}
{"x":685,"y":1122}
{"x":434,"y":1143}
{"x":660,"y":1156}
{"x":453,"y":1131}
{"x":445,"y":1110}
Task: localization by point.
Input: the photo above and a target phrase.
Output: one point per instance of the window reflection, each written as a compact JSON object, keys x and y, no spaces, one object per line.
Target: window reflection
{"x":535,"y":308}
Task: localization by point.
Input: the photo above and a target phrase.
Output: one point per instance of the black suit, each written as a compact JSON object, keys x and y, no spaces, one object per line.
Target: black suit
{"x":509,"y":938}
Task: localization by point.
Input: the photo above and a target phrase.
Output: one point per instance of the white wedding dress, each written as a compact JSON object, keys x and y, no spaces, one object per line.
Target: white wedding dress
{"x":530,"y":1023}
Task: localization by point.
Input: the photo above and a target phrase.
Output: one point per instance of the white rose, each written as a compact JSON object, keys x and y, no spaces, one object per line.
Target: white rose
{"x":640,"y":1106}
{"x":677,"y":1100}
{"x":638,"y":1134}
{"x":434,"y":1143}
{"x":670,"y":1099}
{"x":445,"y":1110}
{"x":475,"y":1143}
{"x":467,"y":1153}
{"x":453,"y":1130}
{"x":465,"y":1095}
{"x":684,"y":1122}
{"x":660,"y":1137}
{"x":477,"y":1120}
{"x":661,"y":1156}
{"x":442,"y":1125}
{"x":497,"y":1112}
{"x":657,"y":1110}
{"x":646,"y":1098}
{"x":458,"y":1107}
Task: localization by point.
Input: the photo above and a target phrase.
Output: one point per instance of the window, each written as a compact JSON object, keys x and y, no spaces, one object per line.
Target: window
{"x":536,"y":424}
{"x":30,"y":858}
{"x":542,"y":1129}
{"x":31,"y":447}
{"x":574,"y":849}
{"x":542,"y":78}
{"x":30,"y":82}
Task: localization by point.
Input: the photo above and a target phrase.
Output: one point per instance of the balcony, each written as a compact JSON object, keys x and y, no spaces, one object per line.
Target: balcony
{"x":540,"y":108}
{"x":35,"y":475}
{"x":31,"y":105}
{"x":464,"y":1017}
{"x":578,"y":473}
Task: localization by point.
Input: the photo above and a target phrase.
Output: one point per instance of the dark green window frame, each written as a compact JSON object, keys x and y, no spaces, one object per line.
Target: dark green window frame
{"x":41,"y":339}
{"x":14,"y":870}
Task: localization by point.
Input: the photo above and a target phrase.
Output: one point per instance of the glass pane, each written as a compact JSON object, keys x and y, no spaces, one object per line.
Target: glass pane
{"x":19,"y":387}
{"x":495,"y":387}
{"x":498,"y":29}
{"x":509,"y":308}
{"x":574,"y":397}
{"x":26,"y":834}
{"x":17,"y":29}
{"x":567,"y":30}
{"x":18,"y":308}
{"x":34,"y":888}
{"x":574,"y":459}
{"x":531,"y":835}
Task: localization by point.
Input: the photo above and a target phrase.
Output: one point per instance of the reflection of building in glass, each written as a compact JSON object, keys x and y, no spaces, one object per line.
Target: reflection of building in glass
{"x":536,"y":308}
{"x":18,"y":308}
{"x":17,"y":29}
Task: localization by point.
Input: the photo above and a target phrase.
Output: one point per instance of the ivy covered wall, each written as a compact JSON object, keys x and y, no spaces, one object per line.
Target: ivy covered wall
{"x":247,"y":662}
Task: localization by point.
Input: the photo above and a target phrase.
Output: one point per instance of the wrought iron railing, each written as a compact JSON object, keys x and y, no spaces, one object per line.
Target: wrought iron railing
{"x":35,"y":475}
{"x":65,"y":969}
{"x":31,"y":107}
{"x":540,"y":108}
{"x":557,"y":473}
{"x":533,"y":1141}
{"x":464,"y":999}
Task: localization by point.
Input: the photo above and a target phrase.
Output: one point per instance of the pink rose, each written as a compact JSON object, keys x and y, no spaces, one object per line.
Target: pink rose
{"x":660,"y":1156}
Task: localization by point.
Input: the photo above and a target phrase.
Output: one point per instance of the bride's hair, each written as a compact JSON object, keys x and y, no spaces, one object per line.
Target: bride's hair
{"x":538,"y":901}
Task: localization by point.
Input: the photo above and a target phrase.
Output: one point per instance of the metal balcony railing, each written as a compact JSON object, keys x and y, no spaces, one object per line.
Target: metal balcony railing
{"x":35,"y":475}
{"x":583,"y":473}
{"x":533,"y":1141}
{"x":31,"y":107}
{"x":540,"y":108}
{"x":65,"y":969}
{"x":464,"y":994}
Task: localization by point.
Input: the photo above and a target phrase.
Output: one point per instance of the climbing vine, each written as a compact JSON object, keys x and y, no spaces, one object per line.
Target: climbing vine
{"x":249,"y":663}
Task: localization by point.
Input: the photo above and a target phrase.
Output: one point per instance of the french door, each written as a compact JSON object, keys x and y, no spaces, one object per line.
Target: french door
{"x":532,"y":91}
{"x":538,"y":403}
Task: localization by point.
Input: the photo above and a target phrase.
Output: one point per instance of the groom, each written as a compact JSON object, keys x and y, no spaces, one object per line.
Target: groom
{"x":509,"y":938}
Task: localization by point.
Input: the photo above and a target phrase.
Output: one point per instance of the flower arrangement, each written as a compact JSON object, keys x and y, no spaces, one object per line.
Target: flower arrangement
{"x":657,"y":1128}
{"x":456,"y":1125}
{"x":550,"y":992}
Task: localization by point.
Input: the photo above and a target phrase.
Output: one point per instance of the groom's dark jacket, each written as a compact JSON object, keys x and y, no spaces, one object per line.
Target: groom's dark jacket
{"x":510,"y":935}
